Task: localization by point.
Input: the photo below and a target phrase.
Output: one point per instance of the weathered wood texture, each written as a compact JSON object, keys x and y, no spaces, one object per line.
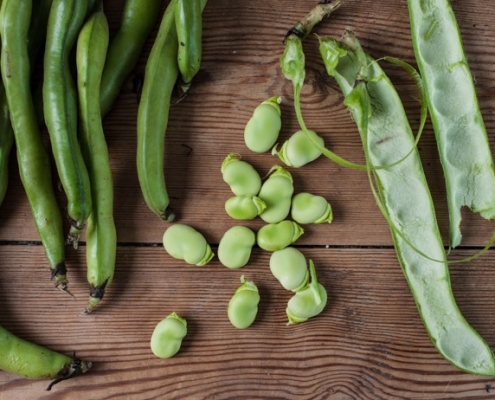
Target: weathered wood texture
{"x":368,"y":344}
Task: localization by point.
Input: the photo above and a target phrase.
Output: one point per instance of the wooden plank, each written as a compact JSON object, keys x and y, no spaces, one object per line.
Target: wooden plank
{"x":368,"y":343}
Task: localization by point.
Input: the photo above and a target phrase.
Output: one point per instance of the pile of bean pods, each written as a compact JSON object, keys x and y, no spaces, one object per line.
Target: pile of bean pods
{"x":70,"y":103}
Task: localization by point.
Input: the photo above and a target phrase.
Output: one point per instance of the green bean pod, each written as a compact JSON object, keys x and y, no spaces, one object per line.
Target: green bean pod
{"x":299,"y":150}
{"x":186,"y":243}
{"x":242,"y":177}
{"x":243,"y":306}
{"x":308,"y":208}
{"x":167,"y":336}
{"x":125,"y":47}
{"x":189,"y":25}
{"x":262,"y":130}
{"x":101,"y":235}
{"x":244,"y":207}
{"x":6,"y":142}
{"x":32,"y":157}
{"x":460,"y":132}
{"x":277,"y":236}
{"x":60,"y":109}
{"x":307,"y":302}
{"x":234,"y":248}
{"x":32,"y":361}
{"x":406,"y":203}
{"x":276,"y":192}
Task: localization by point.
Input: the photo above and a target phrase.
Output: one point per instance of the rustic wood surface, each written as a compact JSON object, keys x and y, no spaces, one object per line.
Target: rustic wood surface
{"x":369,"y":343}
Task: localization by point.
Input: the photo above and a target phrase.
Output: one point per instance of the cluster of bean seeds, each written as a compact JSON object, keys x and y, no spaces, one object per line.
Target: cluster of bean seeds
{"x":273,"y":200}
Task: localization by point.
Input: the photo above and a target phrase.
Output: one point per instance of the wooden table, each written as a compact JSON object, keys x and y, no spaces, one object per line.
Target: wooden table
{"x":369,"y":343}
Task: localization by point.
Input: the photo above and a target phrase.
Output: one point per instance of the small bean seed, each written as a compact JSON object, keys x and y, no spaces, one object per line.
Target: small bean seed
{"x":308,"y":302}
{"x":241,"y":176}
{"x":186,"y":243}
{"x":276,"y":192}
{"x":167,"y":336}
{"x":299,"y":150}
{"x":290,"y":268}
{"x":308,"y":208}
{"x":234,"y":249}
{"x":273,"y":237}
{"x":262,"y":130}
{"x":243,"y":306}
{"x":244,"y":207}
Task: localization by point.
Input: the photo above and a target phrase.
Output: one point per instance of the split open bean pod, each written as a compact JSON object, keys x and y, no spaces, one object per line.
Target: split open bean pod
{"x":243,"y":306}
{"x":186,"y":243}
{"x":167,"y":336}
{"x":262,"y":130}
{"x":234,"y":249}
{"x":273,"y":237}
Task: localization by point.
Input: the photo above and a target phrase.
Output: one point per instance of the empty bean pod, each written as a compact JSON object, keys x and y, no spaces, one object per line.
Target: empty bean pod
{"x":262,"y":130}
{"x":241,"y":176}
{"x":290,"y":268}
{"x":276,"y":191}
{"x":309,"y":208}
{"x":299,"y":150}
{"x":273,"y":237}
{"x":186,"y":243}
{"x":234,"y":249}
{"x":243,"y":306}
{"x":167,"y":336}
{"x":244,"y":207}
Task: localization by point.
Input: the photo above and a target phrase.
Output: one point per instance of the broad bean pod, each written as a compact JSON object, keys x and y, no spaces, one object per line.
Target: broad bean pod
{"x":60,"y":109}
{"x":299,"y":150}
{"x":32,"y":361}
{"x":32,"y":158}
{"x":276,"y":192}
{"x":167,"y":336}
{"x":234,"y":248}
{"x":101,"y":235}
{"x":244,"y":207}
{"x":125,"y":47}
{"x":307,"y":302}
{"x":243,"y":306}
{"x":277,"y":236}
{"x":460,"y":132}
{"x":308,"y":208}
{"x":186,"y":243}
{"x":153,"y":114}
{"x":262,"y":130}
{"x":189,"y":24}
{"x":242,"y":177}
{"x":6,"y":142}
{"x":290,"y":267}
{"x":405,"y":202}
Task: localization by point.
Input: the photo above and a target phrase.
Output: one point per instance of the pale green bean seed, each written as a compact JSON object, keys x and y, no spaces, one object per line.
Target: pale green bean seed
{"x":308,"y":208}
{"x":262,"y":130}
{"x":244,"y":207}
{"x":307,"y":302}
{"x":276,"y":191}
{"x":243,"y":306}
{"x":299,"y":150}
{"x":273,"y":237}
{"x":167,"y":336}
{"x":289,"y":266}
{"x":234,"y":249}
{"x":186,"y":243}
{"x":242,"y":177}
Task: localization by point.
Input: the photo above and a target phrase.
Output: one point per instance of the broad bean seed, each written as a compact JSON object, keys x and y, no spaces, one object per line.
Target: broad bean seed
{"x":299,"y":150}
{"x":262,"y":130}
{"x":290,"y":268}
{"x":244,"y":207}
{"x":243,"y":306}
{"x":186,"y":243}
{"x":276,"y":192}
{"x":277,"y":236}
{"x":242,"y":177}
{"x":167,"y":336}
{"x":234,"y":249}
{"x":308,"y":208}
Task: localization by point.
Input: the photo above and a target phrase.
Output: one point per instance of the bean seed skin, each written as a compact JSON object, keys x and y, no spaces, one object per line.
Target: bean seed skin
{"x":289,"y":266}
{"x":262,"y":130}
{"x":183,"y":242}
{"x":243,"y":306}
{"x":242,"y":177}
{"x":277,"y":236}
{"x":307,"y":302}
{"x":299,"y":150}
{"x":276,"y":192}
{"x":234,"y":248}
{"x":167,"y":336}
{"x":244,"y":207}
{"x":307,"y":208}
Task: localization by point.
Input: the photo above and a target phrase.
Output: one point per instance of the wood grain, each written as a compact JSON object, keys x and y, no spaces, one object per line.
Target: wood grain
{"x":368,"y":344}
